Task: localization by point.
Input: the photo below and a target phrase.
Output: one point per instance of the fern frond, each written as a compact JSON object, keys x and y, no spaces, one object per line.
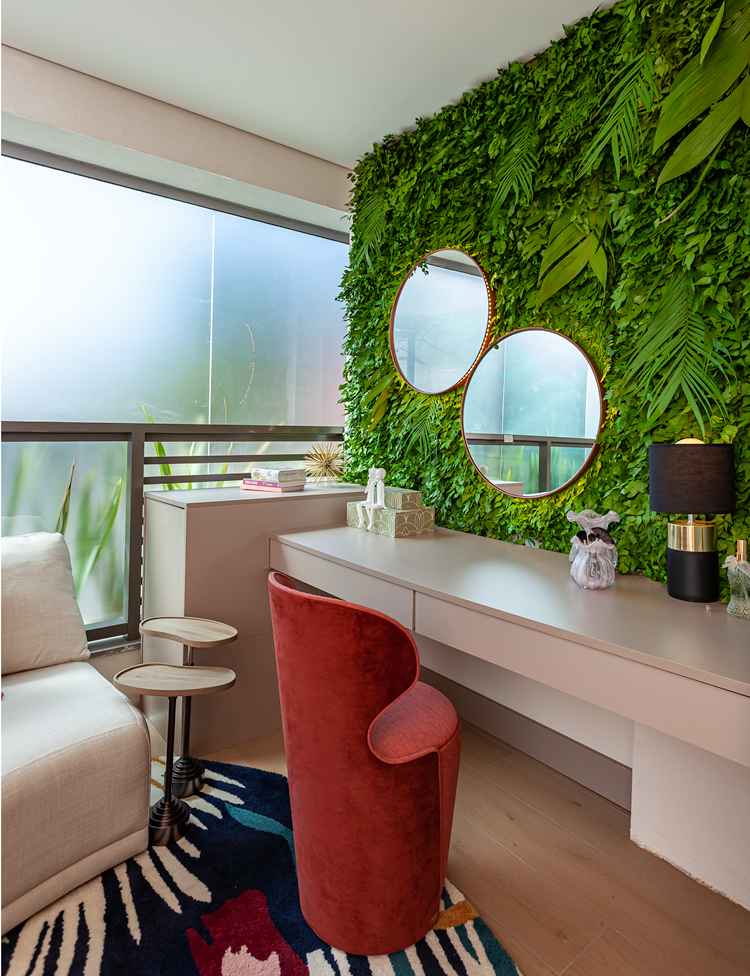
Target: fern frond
{"x":516,"y":168}
{"x":676,"y":355}
{"x":369,"y":227}
{"x":421,"y":424}
{"x":635,"y":90}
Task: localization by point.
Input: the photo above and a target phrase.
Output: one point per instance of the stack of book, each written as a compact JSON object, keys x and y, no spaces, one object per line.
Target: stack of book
{"x":275,"y":479}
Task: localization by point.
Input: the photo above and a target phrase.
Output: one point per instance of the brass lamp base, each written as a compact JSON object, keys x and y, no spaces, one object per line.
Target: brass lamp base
{"x":695,"y":536}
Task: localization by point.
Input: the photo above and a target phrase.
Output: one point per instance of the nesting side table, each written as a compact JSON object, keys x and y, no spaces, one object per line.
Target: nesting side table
{"x":192,"y":633}
{"x":169,"y":815}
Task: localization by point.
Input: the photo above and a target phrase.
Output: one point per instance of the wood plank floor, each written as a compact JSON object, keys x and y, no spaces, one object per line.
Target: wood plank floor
{"x":551,"y":868}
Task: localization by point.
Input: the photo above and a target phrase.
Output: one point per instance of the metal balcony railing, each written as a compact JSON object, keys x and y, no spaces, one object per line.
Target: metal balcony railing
{"x":542,"y":443}
{"x":137,"y":437}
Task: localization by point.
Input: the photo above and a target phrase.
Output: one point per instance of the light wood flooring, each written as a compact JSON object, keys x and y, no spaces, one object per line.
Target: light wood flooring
{"x":552,"y":870}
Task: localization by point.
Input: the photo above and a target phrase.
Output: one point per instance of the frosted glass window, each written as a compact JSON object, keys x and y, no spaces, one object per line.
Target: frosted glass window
{"x":119,"y":305}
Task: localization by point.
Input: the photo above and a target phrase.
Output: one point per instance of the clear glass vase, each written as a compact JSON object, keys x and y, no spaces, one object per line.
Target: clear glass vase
{"x":738,"y":574}
{"x":593,"y":556}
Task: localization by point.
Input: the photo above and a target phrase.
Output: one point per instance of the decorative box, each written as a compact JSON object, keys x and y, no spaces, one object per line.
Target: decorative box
{"x":402,"y":499}
{"x":390,"y":522}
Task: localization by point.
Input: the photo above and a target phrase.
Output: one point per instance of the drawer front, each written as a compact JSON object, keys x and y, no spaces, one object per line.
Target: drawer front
{"x":670,"y":703}
{"x":347,"y":584}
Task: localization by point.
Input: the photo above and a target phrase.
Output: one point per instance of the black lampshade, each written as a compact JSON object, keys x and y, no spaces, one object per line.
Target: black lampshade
{"x":691,"y":478}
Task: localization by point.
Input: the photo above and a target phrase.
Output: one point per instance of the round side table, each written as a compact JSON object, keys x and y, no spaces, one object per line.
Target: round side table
{"x":169,"y":815}
{"x":192,"y":633}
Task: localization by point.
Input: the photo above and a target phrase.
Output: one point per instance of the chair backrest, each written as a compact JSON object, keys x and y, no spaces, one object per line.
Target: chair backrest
{"x":41,"y":622}
{"x":339,"y":666}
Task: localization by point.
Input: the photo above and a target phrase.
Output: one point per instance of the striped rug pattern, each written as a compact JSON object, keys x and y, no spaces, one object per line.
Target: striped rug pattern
{"x":223,"y":902}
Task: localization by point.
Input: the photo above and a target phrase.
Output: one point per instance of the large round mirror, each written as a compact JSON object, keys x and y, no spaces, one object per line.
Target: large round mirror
{"x":440,"y":320}
{"x":532,"y":411}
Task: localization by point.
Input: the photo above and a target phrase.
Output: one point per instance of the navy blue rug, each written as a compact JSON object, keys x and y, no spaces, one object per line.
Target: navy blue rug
{"x":223,"y":902}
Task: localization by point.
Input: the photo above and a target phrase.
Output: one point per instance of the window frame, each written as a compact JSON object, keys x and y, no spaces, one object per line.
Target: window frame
{"x":40,"y":157}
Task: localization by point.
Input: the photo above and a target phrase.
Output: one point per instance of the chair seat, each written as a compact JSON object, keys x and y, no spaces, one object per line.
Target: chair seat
{"x":75,"y":772}
{"x":422,"y":720}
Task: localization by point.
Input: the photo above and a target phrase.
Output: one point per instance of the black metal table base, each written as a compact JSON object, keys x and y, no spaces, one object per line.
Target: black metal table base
{"x":167,"y":821}
{"x":187,"y":776}
{"x":168,"y":815}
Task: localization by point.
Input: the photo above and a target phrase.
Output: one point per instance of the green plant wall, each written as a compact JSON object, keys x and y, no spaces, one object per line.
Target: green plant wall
{"x":437,"y":186}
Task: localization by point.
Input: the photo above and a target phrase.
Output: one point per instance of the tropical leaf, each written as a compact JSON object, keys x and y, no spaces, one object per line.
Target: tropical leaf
{"x":560,"y":243}
{"x":516,"y":168}
{"x":422,"y":423}
{"x":101,"y":538}
{"x":598,"y":264}
{"x":676,"y":355}
{"x":711,"y":33}
{"x":571,"y":248}
{"x":370,"y":227}
{"x":567,"y":269}
{"x":634,"y":89}
{"x":694,"y":192}
{"x":699,"y":85}
{"x":704,"y":138}
{"x":376,"y":399}
{"x":64,"y":513}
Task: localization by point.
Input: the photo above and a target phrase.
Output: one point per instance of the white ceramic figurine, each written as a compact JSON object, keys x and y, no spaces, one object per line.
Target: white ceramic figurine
{"x":375,"y":497}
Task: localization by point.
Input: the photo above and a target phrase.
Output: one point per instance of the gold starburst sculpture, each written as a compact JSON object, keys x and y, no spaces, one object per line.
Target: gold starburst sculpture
{"x":325,"y":461}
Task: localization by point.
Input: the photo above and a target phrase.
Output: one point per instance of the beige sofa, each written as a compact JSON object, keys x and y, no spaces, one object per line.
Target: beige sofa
{"x":75,"y":752}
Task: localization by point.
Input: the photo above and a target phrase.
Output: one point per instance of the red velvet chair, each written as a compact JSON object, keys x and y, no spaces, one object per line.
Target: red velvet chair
{"x":372,"y":755}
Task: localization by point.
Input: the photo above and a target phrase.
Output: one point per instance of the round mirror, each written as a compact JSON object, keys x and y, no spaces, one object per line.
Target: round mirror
{"x":440,"y":320}
{"x":532,"y":412}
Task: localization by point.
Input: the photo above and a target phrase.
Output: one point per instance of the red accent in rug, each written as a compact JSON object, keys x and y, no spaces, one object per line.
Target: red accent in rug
{"x":244,"y":940}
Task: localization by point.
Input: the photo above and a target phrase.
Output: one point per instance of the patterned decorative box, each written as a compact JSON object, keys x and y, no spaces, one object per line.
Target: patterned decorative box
{"x":402,"y":499}
{"x":388,"y":521}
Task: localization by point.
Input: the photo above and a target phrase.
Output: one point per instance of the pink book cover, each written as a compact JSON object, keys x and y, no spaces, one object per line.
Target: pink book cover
{"x":249,"y":485}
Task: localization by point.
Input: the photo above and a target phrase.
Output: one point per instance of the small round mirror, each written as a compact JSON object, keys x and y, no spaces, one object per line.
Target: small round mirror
{"x":532,"y":412}
{"x":440,"y":320}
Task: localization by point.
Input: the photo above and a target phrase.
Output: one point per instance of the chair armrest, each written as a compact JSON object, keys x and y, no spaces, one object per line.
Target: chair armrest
{"x":420,"y":721}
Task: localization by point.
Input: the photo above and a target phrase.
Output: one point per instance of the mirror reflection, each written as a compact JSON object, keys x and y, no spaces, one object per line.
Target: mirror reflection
{"x":531,"y":413}
{"x":439,"y":321}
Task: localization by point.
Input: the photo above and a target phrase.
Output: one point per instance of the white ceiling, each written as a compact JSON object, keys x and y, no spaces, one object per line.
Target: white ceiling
{"x":329,"y":77}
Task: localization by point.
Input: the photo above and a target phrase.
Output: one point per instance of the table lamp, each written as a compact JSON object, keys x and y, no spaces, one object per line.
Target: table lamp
{"x":692,"y":477}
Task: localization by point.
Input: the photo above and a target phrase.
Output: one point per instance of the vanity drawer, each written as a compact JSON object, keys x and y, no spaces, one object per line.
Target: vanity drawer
{"x":671,"y":703}
{"x":347,"y":584}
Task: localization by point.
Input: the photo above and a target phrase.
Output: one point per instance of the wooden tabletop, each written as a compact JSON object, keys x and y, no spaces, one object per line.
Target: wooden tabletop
{"x":193,"y":631}
{"x":635,"y":619}
{"x":171,"y":680}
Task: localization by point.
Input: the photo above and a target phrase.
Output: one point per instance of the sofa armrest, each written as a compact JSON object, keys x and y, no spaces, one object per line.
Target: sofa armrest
{"x":420,"y":721}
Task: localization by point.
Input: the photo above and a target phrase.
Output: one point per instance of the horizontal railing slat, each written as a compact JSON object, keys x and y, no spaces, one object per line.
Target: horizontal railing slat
{"x":528,"y":439}
{"x":219,"y":458}
{"x":202,"y":433}
{"x":176,"y":479}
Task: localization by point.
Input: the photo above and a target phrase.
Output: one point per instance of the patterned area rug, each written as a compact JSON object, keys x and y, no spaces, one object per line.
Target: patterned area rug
{"x":223,"y":902}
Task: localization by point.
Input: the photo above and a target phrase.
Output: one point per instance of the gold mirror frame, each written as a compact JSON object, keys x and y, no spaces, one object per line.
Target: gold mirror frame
{"x":595,"y":447}
{"x":485,"y":340}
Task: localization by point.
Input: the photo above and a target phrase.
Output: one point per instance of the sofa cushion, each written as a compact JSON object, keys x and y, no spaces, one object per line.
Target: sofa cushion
{"x":75,"y":772}
{"x":41,"y":621}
